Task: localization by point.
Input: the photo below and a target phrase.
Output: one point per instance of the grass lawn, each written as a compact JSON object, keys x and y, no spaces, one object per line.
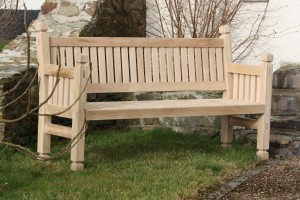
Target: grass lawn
{"x":158,"y":164}
{"x":2,"y":44}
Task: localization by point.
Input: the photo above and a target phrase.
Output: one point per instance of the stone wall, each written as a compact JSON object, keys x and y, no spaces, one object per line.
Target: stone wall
{"x":122,"y":18}
{"x":64,"y":18}
{"x":126,"y":18}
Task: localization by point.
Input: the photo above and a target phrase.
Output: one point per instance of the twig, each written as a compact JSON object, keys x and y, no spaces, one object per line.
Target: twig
{"x":3,"y":186}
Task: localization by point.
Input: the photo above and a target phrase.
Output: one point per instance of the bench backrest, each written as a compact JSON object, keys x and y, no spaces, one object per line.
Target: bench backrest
{"x":146,"y":64}
{"x":137,"y":64}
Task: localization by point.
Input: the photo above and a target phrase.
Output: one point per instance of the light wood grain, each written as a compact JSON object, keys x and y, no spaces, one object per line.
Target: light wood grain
{"x":220,"y":64}
{"x":177,"y":65}
{"x":191,"y":65}
{"x":132,"y":64}
{"x":244,"y":122}
{"x":118,"y":65}
{"x":199,"y":68}
{"x":247,"y":88}
{"x":205,"y":65}
{"x":53,"y":110}
{"x":235,"y":89}
{"x":94,"y":64}
{"x":152,"y":87}
{"x":155,"y":65}
{"x":184,"y":64}
{"x":212,"y":64}
{"x":61,"y":131}
{"x":148,"y":64}
{"x":125,"y":64}
{"x":102,"y":65}
{"x":110,"y":65}
{"x":169,"y":108}
{"x":241,"y":86}
{"x":141,"y":65}
{"x":252,"y":88}
{"x":43,"y":56}
{"x":163,"y":64}
{"x":170,"y":65}
{"x":135,"y":42}
{"x":52,"y":70}
{"x":244,"y":69}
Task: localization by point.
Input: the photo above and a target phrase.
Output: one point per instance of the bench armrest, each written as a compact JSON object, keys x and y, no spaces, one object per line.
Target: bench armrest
{"x":250,"y":82}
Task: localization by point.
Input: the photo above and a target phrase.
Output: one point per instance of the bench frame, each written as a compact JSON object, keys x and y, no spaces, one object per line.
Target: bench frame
{"x":238,"y":98}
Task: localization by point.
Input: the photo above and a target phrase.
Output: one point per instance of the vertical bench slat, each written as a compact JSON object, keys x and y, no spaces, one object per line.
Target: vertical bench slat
{"x":170,"y":65}
{"x":155,"y":65}
{"x":86,"y":51}
{"x":53,"y":60}
{"x":117,"y":63}
{"x":61,"y":91}
{"x":55,"y":93}
{"x":184,"y":65}
{"x":94,"y":63}
{"x":140,"y":63}
{"x":241,"y":86}
{"x":148,"y":67}
{"x":77,"y":50}
{"x":191,"y":64}
{"x":70,"y":62}
{"x":102,"y":65}
{"x":205,"y":65}
{"x":58,"y":94}
{"x":132,"y":64}
{"x":110,"y":65}
{"x":125,"y":64}
{"x":258,"y":89}
{"x":199,"y":68}
{"x":220,"y":69}
{"x":247,"y":88}
{"x":235,"y":86}
{"x":252,"y":88}
{"x":212,"y":64}
{"x":177,"y":65}
{"x":163,"y":64}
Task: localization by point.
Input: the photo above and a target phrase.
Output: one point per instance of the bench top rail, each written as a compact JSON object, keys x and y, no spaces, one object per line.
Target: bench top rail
{"x":134,"y":42}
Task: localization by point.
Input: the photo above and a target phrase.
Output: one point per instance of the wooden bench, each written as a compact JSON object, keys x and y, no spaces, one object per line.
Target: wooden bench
{"x":148,"y":65}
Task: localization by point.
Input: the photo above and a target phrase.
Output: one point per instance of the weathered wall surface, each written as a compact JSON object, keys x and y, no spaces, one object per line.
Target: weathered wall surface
{"x":279,"y":31}
{"x":122,"y":18}
{"x":64,"y":18}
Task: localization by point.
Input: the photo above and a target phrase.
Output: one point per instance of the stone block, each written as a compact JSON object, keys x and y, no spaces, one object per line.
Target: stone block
{"x":285,"y":100}
{"x":48,"y":7}
{"x":287,"y":77}
{"x":90,"y":7}
{"x":68,"y":9}
{"x":279,"y":139}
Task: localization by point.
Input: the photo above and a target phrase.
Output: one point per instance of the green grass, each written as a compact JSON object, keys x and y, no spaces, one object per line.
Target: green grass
{"x":157,"y":164}
{"x":2,"y":44}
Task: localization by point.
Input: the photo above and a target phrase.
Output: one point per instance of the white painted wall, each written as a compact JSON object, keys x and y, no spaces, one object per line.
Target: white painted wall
{"x":281,"y":34}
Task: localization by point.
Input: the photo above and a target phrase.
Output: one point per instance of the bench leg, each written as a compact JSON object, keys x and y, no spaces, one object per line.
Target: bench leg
{"x":44,"y":139}
{"x":263,"y":137}
{"x":77,"y":151}
{"x":226,"y":132}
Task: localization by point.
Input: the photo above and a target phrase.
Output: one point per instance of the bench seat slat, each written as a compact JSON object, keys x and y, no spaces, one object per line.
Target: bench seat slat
{"x":170,"y":108}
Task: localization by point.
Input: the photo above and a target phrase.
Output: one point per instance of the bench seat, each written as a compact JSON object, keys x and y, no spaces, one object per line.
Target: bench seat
{"x":169,"y":108}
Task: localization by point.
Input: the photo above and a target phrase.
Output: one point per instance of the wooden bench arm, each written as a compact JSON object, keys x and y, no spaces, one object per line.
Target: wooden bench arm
{"x":253,"y":70}
{"x":250,"y":82}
